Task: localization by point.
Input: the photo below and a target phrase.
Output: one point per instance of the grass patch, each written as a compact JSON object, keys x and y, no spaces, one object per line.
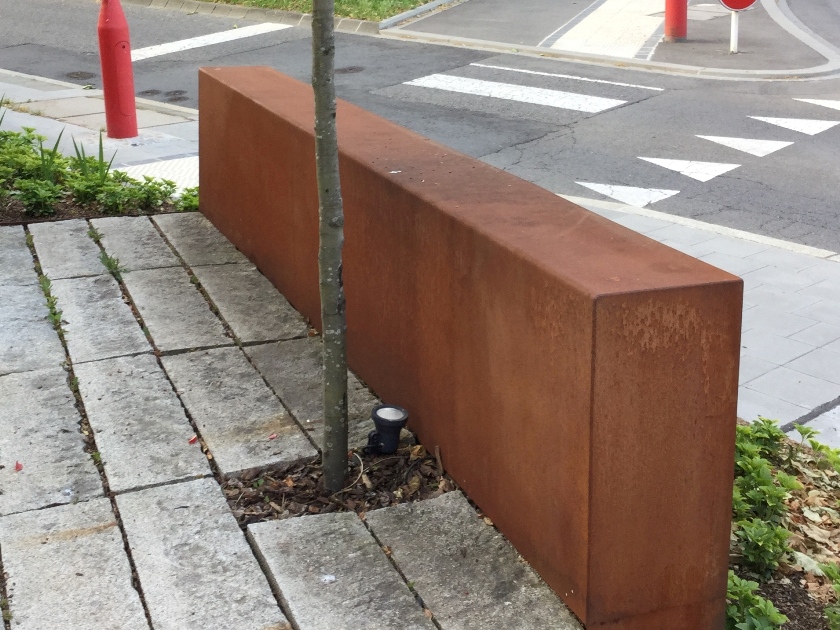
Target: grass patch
{"x":374,"y":10}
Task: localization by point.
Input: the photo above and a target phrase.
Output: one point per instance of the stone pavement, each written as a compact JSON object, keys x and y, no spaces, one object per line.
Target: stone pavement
{"x":194,"y":341}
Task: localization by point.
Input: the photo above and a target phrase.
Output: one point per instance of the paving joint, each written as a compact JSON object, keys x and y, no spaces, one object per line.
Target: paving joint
{"x":236,"y":341}
{"x":88,"y":437}
{"x":272,"y":583}
{"x":813,"y":414}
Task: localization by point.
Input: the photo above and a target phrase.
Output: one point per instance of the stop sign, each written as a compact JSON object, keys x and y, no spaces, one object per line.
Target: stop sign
{"x":737,"y":5}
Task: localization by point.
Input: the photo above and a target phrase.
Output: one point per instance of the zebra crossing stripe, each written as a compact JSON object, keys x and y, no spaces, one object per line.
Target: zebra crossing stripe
{"x":518,"y":93}
{"x":802,"y":125}
{"x":205,"y":40}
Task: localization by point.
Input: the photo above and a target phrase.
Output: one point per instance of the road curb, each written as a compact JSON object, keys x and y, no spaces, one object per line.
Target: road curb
{"x":391,"y":22}
{"x":830,"y":69}
{"x":291,"y":18}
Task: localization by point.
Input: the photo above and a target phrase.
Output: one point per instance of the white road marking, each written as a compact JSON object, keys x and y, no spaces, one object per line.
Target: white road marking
{"x":802,"y":125}
{"x":759,"y":148}
{"x":520,"y":93}
{"x":701,"y":171}
{"x":619,"y":28}
{"x":816,"y":101}
{"x":568,"y":76}
{"x":638,"y":197}
{"x":182,"y":171}
{"x":707,"y":227}
{"x":205,"y":40}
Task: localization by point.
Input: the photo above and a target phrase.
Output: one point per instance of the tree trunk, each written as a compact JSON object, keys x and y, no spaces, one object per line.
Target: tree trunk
{"x":334,"y":448}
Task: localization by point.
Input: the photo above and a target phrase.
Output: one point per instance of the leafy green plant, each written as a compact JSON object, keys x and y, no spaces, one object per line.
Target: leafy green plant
{"x":112,"y":264}
{"x":89,"y":167}
{"x":116,"y":196}
{"x":188,"y":201}
{"x":38,"y":196}
{"x":53,"y":166}
{"x":151,"y":192}
{"x":52,"y":302}
{"x":832,"y":612}
{"x":763,"y":545}
{"x":95,"y":235}
{"x":746,"y":610}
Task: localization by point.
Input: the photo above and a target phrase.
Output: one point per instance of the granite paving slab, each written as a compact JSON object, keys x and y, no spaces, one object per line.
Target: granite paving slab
{"x":39,"y":428}
{"x":176,"y":314}
{"x":195,"y":566}
{"x":250,"y":304}
{"x":97,"y":322}
{"x":67,"y":570}
{"x":239,"y":417}
{"x":135,"y":242}
{"x":141,"y":430}
{"x":293,"y":369}
{"x":16,"y":264}
{"x":332,"y":574}
{"x":65,"y":250}
{"x":197,"y":240}
{"x":27,"y":339}
{"x":464,"y":570}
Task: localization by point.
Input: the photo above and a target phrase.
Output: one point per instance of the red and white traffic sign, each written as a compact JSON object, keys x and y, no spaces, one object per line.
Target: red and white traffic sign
{"x":737,"y":5}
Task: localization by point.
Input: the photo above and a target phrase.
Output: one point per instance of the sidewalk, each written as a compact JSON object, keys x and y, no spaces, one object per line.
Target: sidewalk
{"x":194,"y":340}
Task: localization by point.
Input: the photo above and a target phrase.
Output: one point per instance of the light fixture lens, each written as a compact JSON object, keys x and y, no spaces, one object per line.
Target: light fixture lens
{"x":390,"y":413}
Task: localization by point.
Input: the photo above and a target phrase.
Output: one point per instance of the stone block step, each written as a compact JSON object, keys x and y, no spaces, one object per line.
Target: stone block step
{"x":27,"y":340}
{"x":332,"y":574}
{"x":195,"y":566}
{"x":197,"y":240}
{"x":65,"y":250}
{"x":293,"y":369}
{"x":97,"y":322}
{"x":16,"y":264}
{"x":135,"y":242}
{"x":39,"y":427}
{"x":67,"y":570}
{"x":250,"y":304}
{"x":464,"y":570}
{"x":176,"y":314}
{"x":239,"y":417}
{"x":141,"y":430}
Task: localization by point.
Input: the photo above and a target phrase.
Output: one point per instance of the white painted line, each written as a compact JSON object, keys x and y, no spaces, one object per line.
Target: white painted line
{"x":701,"y":171}
{"x":759,"y":148}
{"x":802,"y":125}
{"x":637,"y":197}
{"x":205,"y":40}
{"x":568,"y":76}
{"x":816,"y":101}
{"x":519,"y":93}
{"x":619,"y":28}
{"x":706,"y":227}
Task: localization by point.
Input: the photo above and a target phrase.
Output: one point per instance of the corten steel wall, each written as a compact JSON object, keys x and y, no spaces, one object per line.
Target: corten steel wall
{"x":579,"y":378}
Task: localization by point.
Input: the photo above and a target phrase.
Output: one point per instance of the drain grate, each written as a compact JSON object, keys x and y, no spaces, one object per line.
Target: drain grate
{"x":80,"y":75}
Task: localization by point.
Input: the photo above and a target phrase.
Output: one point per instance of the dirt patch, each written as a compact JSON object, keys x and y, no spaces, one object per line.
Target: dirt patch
{"x":12,"y":212}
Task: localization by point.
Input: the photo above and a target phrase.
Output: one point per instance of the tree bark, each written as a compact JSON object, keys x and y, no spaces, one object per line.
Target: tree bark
{"x":331,"y":212}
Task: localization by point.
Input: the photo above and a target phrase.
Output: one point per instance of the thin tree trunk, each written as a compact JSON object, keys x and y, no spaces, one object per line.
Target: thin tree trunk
{"x":334,"y":448}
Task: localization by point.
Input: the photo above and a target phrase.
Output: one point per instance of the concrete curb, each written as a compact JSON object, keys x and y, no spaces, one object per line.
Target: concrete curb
{"x":391,"y":22}
{"x":831,"y":69}
{"x":292,"y":18}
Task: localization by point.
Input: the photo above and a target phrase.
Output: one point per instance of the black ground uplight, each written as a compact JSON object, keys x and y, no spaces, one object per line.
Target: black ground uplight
{"x":389,"y":421}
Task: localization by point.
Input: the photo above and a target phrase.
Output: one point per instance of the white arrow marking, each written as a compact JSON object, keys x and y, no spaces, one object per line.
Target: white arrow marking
{"x":758,"y":148}
{"x":205,"y":40}
{"x":816,"y":101}
{"x":802,"y":125}
{"x":701,"y":171}
{"x":521,"y":93}
{"x":638,"y":197}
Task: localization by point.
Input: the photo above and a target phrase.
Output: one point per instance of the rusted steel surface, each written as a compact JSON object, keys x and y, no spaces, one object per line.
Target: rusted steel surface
{"x":580,"y":379}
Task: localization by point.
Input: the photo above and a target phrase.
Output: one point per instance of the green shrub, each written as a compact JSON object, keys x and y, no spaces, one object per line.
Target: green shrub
{"x":37,"y":196}
{"x":763,"y":545}
{"x":746,"y":610}
{"x":188,"y":201}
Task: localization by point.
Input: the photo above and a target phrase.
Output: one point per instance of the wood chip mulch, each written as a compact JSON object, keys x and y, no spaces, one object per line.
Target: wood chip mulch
{"x":378,"y":481}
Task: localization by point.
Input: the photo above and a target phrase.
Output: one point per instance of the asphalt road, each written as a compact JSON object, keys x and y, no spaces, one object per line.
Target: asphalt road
{"x":790,"y":194}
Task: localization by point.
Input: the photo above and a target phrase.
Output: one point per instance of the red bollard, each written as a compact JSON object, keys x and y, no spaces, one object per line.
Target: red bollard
{"x":117,"y":73}
{"x":676,"y":20}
